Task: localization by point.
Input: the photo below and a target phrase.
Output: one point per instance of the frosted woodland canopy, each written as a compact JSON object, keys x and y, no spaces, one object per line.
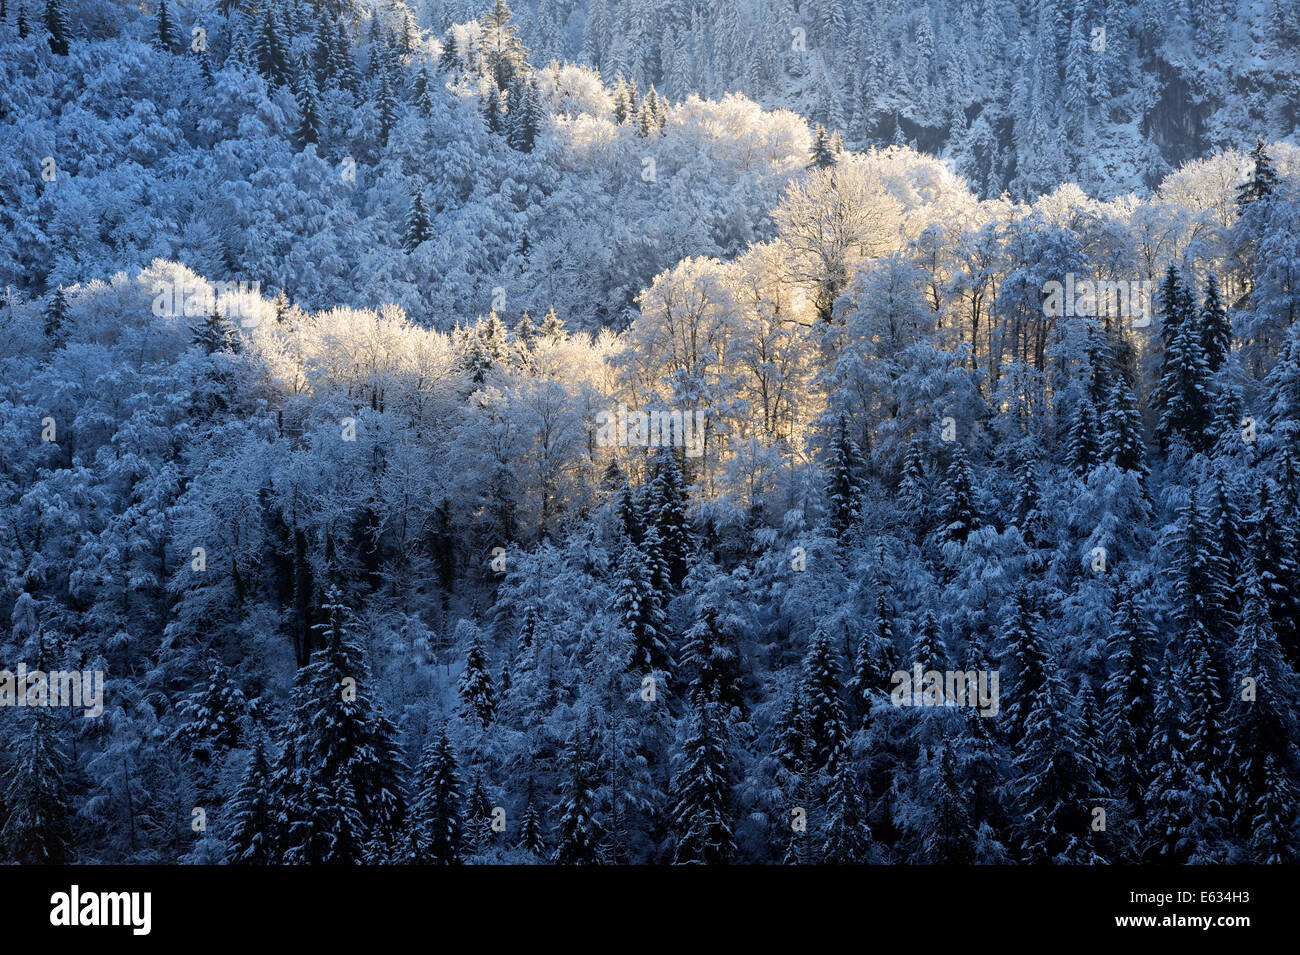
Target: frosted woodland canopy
{"x":313,"y":313}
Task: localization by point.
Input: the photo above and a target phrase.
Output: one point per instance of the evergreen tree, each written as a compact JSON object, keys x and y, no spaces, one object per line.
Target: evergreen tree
{"x":214,"y":333}
{"x":56,"y":317}
{"x":530,"y":831}
{"x":952,"y":836}
{"x":37,"y":822}
{"x":1084,"y":447}
{"x":340,"y":759}
{"x":639,"y":610}
{"x":56,"y":22}
{"x":822,"y":155}
{"x":1024,"y":645}
{"x":1273,"y":546}
{"x":1121,"y":439}
{"x":418,"y":227}
{"x":1055,"y":779}
{"x":848,"y":830}
{"x":710,"y":658}
{"x":271,"y":50}
{"x":386,"y":103}
{"x":309,"y":119}
{"x":578,"y":833}
{"x":1262,"y":181}
{"x":504,"y":55}
{"x":820,"y":688}
{"x":957,"y":504}
{"x":436,"y":821}
{"x":211,"y":718}
{"x":166,"y":37}
{"x":1130,"y":695}
{"x":1183,"y":393}
{"x":928,"y":647}
{"x":875,"y":662}
{"x":478,"y":696}
{"x":844,"y":480}
{"x":492,"y":114}
{"x":1262,"y":708}
{"x":1216,"y":329}
{"x":702,"y":815}
{"x":253,"y":838}
{"x":666,"y":500}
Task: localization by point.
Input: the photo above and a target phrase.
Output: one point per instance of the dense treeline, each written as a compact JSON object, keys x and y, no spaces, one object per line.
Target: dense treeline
{"x":366,"y":585}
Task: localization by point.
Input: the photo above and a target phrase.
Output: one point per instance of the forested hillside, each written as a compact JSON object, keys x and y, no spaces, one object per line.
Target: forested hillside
{"x":315,"y":318}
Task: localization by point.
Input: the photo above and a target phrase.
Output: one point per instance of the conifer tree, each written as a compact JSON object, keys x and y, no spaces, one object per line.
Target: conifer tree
{"x":847,"y":838}
{"x":56,"y":22}
{"x":710,"y":659}
{"x":309,"y":119}
{"x":1024,"y":645}
{"x":702,"y":814}
{"x":418,"y":227}
{"x":1274,"y":549}
{"x":1216,"y":329}
{"x":56,"y":317}
{"x":875,"y":662}
{"x":1183,"y":393}
{"x":822,"y":155}
{"x":1083,"y":441}
{"x":1056,"y":781}
{"x":478,"y":696}
{"x":211,"y":718}
{"x":340,"y":757}
{"x":1262,"y":708}
{"x":271,"y":50}
{"x":492,"y":115}
{"x":845,"y":473}
{"x":957,"y":504}
{"x":821,"y":689}
{"x":952,"y":836}
{"x":37,"y":824}
{"x":436,"y":820}
{"x":530,"y":831}
{"x":1262,"y":181}
{"x":1121,"y":439}
{"x":666,"y":500}
{"x":253,"y":838}
{"x":1130,"y":695}
{"x":577,"y":833}
{"x":928,"y":647}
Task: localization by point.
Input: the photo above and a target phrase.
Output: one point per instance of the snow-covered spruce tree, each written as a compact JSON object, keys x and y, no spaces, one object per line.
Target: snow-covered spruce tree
{"x":309,"y":125}
{"x":166,"y":35}
{"x":928,"y":647}
{"x":823,"y":157}
{"x":478,"y":817}
{"x":254,"y":837}
{"x":957,"y":500}
{"x":845,"y":477}
{"x":1083,"y":442}
{"x":1262,"y":181}
{"x":214,"y":333}
{"x":38,"y":818}
{"x":418,"y":227}
{"x":846,"y":835}
{"x":577,"y":833}
{"x":1122,"y":442}
{"x":710,"y":661}
{"x":1023,"y":643}
{"x":952,"y":833}
{"x":702,"y":814}
{"x":874,"y":663}
{"x":1273,"y":548}
{"x":824,"y":706}
{"x":56,"y":317}
{"x":1215,"y":326}
{"x":665,"y":499}
{"x":211,"y":718}
{"x":1183,"y":395}
{"x":1055,"y":782}
{"x":436,"y":830}
{"x":341,"y":762}
{"x":477,"y":692}
{"x":1129,"y":695}
{"x":56,"y":23}
{"x":531,"y":839}
{"x":1261,"y":723}
{"x":639,"y":611}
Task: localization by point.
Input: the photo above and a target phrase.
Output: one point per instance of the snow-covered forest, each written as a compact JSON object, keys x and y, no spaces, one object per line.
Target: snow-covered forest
{"x":328,"y":329}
